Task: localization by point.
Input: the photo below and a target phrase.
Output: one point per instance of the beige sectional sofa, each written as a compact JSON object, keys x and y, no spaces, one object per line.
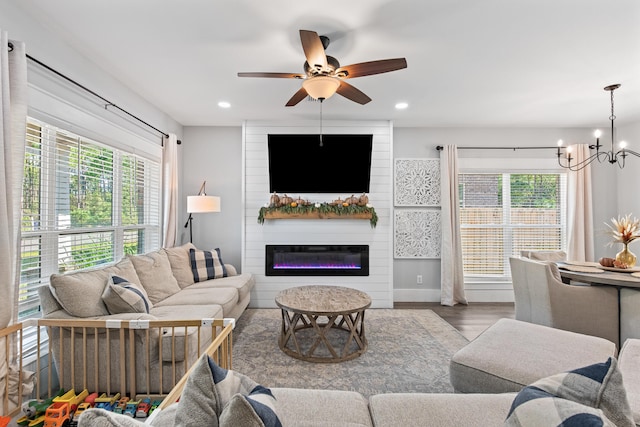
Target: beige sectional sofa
{"x":615,"y":394}
{"x":159,"y":286}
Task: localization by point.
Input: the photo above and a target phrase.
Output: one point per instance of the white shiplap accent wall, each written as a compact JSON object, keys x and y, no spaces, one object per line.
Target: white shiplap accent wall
{"x":379,"y":283}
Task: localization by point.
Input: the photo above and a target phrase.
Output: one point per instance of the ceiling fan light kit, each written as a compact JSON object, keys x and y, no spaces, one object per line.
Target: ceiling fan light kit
{"x":321,"y":87}
{"x":323,"y":76}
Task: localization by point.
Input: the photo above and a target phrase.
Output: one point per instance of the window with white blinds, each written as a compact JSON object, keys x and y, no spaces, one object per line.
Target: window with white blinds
{"x":502,"y":214}
{"x":84,"y":204}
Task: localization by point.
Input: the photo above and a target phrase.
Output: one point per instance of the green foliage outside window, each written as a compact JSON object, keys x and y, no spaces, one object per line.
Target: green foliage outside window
{"x":535,"y":191}
{"x":90,"y":184}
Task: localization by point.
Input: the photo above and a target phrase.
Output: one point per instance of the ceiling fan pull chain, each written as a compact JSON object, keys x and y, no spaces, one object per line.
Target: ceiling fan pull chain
{"x":321,"y":121}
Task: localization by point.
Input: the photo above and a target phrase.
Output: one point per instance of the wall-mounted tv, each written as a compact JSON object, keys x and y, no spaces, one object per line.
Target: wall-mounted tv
{"x":301,"y":163}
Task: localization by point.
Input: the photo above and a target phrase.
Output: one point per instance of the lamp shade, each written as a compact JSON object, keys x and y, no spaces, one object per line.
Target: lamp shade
{"x":203,"y":204}
{"x":321,"y":87}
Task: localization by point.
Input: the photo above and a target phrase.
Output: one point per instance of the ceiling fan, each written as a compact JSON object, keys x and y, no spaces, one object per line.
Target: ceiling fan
{"x":323,"y":76}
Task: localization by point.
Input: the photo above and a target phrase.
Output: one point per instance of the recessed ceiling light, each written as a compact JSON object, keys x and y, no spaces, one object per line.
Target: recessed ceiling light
{"x":224,"y":104}
{"x":401,"y":105}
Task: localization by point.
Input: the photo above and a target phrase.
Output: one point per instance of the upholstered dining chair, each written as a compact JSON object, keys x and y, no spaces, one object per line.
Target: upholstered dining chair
{"x":545,"y":255}
{"x":629,"y":313}
{"x":542,"y":298}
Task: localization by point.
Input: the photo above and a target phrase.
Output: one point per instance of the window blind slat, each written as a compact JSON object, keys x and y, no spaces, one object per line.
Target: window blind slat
{"x":502,"y":214}
{"x":72,"y":213}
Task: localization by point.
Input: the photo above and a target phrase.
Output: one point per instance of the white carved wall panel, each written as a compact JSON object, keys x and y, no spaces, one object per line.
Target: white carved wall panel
{"x":417,"y":182}
{"x":417,"y":233}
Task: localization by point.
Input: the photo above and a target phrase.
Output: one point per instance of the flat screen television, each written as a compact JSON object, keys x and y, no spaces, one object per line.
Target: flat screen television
{"x":301,"y":164}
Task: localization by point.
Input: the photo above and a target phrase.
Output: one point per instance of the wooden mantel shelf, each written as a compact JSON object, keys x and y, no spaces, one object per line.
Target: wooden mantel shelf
{"x":323,"y":212}
{"x":316,"y":215}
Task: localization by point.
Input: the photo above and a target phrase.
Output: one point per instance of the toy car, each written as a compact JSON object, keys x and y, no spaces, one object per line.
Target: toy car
{"x":131,"y":408}
{"x":79,"y":410}
{"x":35,"y":409}
{"x":106,"y":402}
{"x":154,"y":405}
{"x":58,"y":414}
{"x":121,"y":405}
{"x":143,"y":408}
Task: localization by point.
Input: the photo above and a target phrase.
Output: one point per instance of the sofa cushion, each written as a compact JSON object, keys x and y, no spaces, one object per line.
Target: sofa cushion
{"x":315,"y":408}
{"x":257,"y":409}
{"x":588,"y":396}
{"x":154,"y":271}
{"x":121,"y":296}
{"x":535,"y":352}
{"x":173,"y":345}
{"x":206,"y":265}
{"x":628,"y":362}
{"x":242,"y":282}
{"x":449,"y":409}
{"x":187,"y":312}
{"x":225,"y":297}
{"x":181,"y":263}
{"x":80,"y":292}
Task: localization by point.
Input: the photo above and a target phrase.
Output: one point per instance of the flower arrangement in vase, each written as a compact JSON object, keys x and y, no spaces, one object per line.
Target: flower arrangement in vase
{"x":624,"y":230}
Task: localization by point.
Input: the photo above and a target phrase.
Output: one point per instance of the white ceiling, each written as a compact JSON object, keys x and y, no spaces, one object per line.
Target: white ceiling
{"x":471,"y":63}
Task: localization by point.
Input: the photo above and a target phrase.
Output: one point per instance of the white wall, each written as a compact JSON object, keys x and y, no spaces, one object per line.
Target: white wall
{"x":204,"y":147}
{"x":54,"y":52}
{"x":48,"y":92}
{"x":214,"y":154}
{"x":378,"y":284}
{"x":628,"y":188}
{"x":422,"y":142}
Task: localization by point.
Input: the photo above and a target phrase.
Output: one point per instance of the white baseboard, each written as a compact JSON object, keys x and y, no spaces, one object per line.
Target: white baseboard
{"x":416,"y":295}
{"x":433,"y":295}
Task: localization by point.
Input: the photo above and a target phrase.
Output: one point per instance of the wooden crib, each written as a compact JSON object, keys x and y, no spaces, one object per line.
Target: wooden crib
{"x":127,"y":346}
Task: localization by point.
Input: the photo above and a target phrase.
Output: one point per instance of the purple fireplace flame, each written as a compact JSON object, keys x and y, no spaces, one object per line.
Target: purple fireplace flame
{"x":317,"y":260}
{"x":312,"y":266}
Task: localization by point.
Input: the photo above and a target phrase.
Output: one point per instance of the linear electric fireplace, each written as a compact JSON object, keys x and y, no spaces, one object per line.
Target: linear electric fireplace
{"x":317,"y":260}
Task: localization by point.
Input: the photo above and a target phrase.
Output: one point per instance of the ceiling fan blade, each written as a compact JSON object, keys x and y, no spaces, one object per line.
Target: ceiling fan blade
{"x":274,"y":75}
{"x":313,"y":49}
{"x":350,"y":92}
{"x":372,"y":67}
{"x":297,"y":97}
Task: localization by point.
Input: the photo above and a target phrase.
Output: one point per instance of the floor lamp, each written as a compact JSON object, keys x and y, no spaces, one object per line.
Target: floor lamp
{"x":200,"y":204}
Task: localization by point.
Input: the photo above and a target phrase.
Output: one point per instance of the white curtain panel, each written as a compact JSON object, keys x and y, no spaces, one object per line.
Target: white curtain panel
{"x":13,"y":91}
{"x":580,"y":245}
{"x":451,"y":271}
{"x":170,"y":191}
{"x":13,"y":112}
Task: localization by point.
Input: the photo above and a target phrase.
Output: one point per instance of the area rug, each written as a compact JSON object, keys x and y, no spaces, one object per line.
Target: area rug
{"x":409,"y":351}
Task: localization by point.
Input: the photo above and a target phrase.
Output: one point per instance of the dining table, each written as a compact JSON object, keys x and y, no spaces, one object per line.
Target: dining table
{"x":595,"y":274}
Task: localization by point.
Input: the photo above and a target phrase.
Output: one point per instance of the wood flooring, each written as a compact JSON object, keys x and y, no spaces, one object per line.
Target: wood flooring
{"x":471,"y":319}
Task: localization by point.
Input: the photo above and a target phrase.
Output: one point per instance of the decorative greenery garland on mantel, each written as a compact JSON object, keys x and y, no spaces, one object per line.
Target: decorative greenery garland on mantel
{"x":322,"y":210}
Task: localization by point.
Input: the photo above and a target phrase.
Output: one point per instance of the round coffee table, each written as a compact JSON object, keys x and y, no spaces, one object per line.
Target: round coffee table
{"x":323,"y":323}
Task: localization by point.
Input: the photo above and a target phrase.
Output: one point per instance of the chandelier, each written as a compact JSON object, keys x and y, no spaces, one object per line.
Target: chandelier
{"x":613,"y":156}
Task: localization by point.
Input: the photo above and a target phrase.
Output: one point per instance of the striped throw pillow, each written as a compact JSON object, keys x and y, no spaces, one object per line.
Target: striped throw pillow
{"x":589,"y":396}
{"x":121,"y":296}
{"x":206,"y":265}
{"x":257,"y":409}
{"x":214,"y":396}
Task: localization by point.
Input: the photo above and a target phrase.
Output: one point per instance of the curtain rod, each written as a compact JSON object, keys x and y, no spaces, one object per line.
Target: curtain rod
{"x":108,"y":103}
{"x":440,"y":148}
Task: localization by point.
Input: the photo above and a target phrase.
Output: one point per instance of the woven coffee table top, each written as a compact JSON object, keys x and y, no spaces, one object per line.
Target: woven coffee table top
{"x":322,"y":299}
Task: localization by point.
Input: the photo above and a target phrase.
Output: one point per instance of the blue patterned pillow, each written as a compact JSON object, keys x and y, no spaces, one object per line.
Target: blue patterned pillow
{"x":206,"y":265}
{"x":255,"y":409}
{"x":589,"y":396}
{"x":121,"y":296}
{"x":211,"y":391}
